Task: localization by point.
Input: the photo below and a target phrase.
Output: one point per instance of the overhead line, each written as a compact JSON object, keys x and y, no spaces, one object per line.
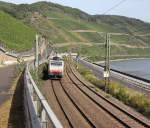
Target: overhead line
{"x":118,"y":4}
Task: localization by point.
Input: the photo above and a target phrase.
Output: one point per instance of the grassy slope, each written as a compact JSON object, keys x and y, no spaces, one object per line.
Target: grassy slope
{"x":57,"y":21}
{"x":14,"y":34}
{"x":95,"y":51}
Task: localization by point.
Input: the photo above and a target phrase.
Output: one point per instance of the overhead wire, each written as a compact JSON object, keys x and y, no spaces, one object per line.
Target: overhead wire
{"x":113,"y":7}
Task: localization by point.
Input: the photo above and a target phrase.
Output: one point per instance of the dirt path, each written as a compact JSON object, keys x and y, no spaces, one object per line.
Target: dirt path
{"x":6,"y":77}
{"x":11,"y":110}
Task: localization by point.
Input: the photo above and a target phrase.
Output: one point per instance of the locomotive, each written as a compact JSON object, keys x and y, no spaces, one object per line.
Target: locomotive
{"x":55,"y":68}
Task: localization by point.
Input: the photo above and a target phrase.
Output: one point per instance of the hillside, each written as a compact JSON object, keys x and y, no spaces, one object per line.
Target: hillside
{"x":58,"y":23}
{"x":14,"y":34}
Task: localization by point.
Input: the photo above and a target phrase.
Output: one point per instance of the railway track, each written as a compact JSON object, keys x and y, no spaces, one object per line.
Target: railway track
{"x":123,"y":114}
{"x":54,"y":103}
{"x":64,"y":108}
{"x":78,"y":105}
{"x":71,"y":110}
{"x":91,"y":111}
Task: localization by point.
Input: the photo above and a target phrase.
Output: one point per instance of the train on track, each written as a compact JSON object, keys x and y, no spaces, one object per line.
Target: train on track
{"x":55,"y":68}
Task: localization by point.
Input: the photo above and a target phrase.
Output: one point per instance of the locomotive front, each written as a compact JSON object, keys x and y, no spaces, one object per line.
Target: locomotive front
{"x":56,"y":68}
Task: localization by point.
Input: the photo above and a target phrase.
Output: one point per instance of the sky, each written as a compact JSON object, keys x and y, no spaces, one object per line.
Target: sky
{"x":139,"y":9}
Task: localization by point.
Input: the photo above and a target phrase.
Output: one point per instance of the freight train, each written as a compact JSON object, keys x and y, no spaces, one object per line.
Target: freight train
{"x":55,"y":68}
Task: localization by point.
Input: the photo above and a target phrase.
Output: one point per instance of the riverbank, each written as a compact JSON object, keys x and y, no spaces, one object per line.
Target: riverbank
{"x":138,"y":67}
{"x":115,"y":60}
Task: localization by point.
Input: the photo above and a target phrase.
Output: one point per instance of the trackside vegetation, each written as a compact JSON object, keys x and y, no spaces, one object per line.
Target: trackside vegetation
{"x":137,"y":100}
{"x":39,"y":75}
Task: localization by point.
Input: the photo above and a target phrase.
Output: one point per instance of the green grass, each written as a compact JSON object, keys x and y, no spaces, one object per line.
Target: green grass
{"x":70,"y":24}
{"x":37,"y":75}
{"x":120,"y":39}
{"x":14,"y":34}
{"x":146,"y":39}
{"x":93,"y":37}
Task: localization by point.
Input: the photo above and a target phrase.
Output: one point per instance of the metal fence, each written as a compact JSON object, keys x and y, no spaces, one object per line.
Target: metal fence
{"x":37,"y":110}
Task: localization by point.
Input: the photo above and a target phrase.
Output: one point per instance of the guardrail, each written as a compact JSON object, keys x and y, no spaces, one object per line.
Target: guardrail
{"x":37,"y":110}
{"x":16,"y":54}
{"x":140,"y":82}
{"x":137,"y":82}
{"x":2,"y":49}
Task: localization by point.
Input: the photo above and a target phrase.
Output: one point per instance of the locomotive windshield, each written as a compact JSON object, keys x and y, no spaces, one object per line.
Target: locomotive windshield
{"x":56,"y":58}
{"x":56,"y":63}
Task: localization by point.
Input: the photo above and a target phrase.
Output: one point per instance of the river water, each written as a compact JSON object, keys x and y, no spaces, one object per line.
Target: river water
{"x":138,"y":67}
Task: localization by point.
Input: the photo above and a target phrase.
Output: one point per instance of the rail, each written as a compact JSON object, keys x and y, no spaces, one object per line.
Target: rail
{"x":37,"y":110}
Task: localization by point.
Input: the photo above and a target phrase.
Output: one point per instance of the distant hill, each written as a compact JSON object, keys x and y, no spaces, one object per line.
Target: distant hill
{"x":59,"y":24}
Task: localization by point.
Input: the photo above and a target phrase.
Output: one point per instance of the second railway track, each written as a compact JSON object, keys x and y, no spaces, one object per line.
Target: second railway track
{"x":121,"y":112}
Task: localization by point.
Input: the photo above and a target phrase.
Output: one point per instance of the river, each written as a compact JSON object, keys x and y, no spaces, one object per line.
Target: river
{"x":138,"y":67}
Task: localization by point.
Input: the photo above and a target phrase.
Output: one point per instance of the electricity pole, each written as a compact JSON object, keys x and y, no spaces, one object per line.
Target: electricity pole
{"x":107,"y":61}
{"x":37,"y":51}
{"x":107,"y":57}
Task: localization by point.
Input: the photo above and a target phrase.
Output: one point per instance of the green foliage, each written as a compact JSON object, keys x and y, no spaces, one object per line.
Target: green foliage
{"x":93,"y":37}
{"x":142,"y":103}
{"x":88,"y":74}
{"x":37,"y":74}
{"x":14,"y":33}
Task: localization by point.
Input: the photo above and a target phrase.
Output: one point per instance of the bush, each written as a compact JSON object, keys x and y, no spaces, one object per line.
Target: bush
{"x":88,"y":74}
{"x":122,"y":94}
{"x":142,"y":103}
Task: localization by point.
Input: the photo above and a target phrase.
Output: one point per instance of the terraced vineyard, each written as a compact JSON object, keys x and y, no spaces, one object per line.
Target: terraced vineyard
{"x":14,"y":34}
{"x":57,"y":22}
